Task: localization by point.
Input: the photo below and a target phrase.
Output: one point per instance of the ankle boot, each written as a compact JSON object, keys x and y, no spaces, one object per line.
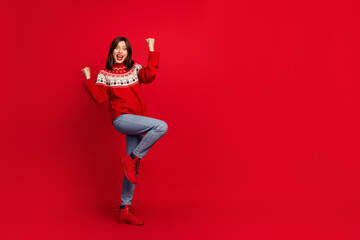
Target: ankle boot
{"x":139,"y":167}
{"x":126,"y":216}
{"x":130,"y":166}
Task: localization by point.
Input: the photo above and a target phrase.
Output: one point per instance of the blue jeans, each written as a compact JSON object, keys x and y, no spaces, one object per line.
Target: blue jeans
{"x":134,"y":126}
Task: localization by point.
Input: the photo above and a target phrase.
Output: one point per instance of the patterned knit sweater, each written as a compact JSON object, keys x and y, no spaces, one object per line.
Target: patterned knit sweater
{"x":122,"y":87}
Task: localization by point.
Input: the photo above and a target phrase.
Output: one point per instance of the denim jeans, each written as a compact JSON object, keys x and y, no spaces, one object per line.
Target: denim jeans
{"x":134,"y":126}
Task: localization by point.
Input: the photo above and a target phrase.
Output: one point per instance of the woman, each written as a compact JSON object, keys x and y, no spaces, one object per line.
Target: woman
{"x":120,"y":84}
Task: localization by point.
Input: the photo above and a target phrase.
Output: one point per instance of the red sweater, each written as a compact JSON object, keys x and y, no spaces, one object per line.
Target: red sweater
{"x":122,"y":87}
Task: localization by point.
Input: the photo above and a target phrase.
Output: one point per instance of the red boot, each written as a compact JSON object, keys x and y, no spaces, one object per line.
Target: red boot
{"x":139,"y":167}
{"x":130,"y":166}
{"x":126,"y":216}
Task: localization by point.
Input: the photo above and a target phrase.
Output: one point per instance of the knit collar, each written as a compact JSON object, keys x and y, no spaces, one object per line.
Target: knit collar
{"x":119,"y":65}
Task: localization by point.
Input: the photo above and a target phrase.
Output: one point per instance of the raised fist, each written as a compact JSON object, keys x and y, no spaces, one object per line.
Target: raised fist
{"x":150,"y":42}
{"x":86,"y":72}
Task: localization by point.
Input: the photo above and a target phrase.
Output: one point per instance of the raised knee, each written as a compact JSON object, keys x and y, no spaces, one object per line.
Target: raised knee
{"x":163,"y":127}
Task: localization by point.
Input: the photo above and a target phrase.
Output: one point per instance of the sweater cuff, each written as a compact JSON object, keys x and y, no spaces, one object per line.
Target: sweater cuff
{"x":88,"y":83}
{"x":86,"y":80}
{"x":154,"y":53}
{"x":154,"y":58}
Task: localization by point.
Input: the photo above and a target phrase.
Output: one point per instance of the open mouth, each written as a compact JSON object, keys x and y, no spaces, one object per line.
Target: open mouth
{"x":119,"y":57}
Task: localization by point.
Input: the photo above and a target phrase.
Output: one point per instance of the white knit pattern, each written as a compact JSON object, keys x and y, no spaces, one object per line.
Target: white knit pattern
{"x":119,"y":80}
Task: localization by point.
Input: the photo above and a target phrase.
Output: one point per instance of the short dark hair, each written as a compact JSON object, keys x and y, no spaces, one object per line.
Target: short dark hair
{"x":110,"y":59}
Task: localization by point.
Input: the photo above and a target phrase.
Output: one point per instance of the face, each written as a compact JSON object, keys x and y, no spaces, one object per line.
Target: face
{"x":120,"y":52}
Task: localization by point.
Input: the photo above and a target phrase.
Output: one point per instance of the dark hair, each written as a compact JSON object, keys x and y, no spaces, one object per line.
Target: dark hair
{"x":110,"y":59}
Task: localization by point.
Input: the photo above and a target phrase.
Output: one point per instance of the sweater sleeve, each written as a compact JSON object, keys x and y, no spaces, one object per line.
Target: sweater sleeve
{"x":97,"y":90}
{"x":147,"y":75}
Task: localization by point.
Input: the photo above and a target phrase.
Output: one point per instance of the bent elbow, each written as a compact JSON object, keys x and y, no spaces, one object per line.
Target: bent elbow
{"x":149,"y":79}
{"x":102,"y":101}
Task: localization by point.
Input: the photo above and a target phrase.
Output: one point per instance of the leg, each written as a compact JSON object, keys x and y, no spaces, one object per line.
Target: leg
{"x":131,"y":124}
{"x":127,"y":190}
{"x":126,"y":212}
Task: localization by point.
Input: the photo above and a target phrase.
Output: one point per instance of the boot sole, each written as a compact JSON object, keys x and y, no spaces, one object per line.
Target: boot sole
{"x":130,"y":223}
{"x":122,"y":160}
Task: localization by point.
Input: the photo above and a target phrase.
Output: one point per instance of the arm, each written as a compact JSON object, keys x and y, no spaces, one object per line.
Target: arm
{"x":98,"y":90}
{"x":147,"y":75}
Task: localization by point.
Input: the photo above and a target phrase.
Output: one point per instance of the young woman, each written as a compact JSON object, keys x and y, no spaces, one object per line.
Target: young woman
{"x":120,"y":83}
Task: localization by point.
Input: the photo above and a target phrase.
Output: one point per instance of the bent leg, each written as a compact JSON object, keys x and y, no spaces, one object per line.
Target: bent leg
{"x":128,"y":188}
{"x":131,"y":124}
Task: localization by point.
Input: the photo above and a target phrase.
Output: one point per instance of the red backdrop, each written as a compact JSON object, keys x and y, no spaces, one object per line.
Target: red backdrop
{"x":261,"y":99}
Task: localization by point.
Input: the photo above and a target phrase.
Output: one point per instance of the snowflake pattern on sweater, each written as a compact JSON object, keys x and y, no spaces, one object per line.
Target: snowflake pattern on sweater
{"x":117,"y":79}
{"x":122,"y":87}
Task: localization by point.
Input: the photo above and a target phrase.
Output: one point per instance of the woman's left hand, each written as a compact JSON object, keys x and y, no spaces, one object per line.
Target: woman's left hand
{"x":150,"y":42}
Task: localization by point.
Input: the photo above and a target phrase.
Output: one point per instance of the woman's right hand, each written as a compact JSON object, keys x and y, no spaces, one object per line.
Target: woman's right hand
{"x":86,"y":72}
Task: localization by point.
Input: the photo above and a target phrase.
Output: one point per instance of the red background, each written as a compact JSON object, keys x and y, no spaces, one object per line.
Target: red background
{"x":262,"y":102}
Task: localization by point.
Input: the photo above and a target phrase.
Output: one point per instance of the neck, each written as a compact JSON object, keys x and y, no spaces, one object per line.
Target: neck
{"x":118,"y":64}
